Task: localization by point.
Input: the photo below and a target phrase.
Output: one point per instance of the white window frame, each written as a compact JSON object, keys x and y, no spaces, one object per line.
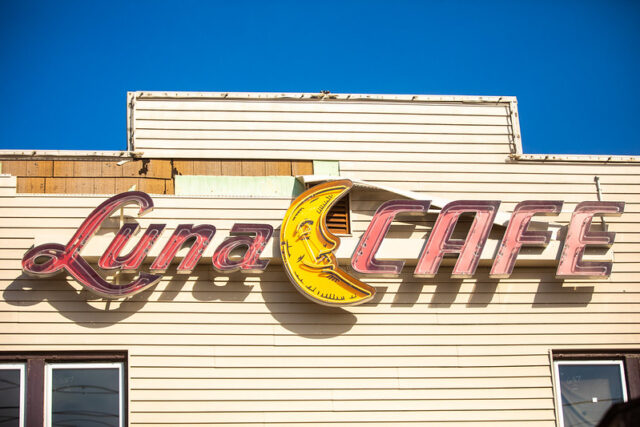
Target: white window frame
{"x":23,"y":389}
{"x":558,"y":391}
{"x":48,"y":385}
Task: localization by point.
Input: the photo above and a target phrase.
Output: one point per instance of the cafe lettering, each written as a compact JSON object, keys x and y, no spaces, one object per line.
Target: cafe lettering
{"x":307,"y":245}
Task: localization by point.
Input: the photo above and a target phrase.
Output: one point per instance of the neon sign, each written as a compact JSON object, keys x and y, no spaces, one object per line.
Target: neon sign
{"x":307,"y":246}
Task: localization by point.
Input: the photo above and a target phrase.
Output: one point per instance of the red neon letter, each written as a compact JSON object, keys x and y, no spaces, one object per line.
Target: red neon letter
{"x":579,"y":236}
{"x":203,"y":235}
{"x":517,"y":234}
{"x":364,"y":258}
{"x":58,"y":257}
{"x":130,"y":262}
{"x":251,"y":262}
{"x":470,"y":249}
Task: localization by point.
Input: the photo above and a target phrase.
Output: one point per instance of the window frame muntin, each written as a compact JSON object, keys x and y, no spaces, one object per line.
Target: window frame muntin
{"x":22,"y":367}
{"x":584,"y":361}
{"x":48,"y":375}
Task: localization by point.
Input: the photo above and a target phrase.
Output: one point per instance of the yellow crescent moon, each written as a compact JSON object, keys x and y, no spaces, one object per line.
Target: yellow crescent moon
{"x":307,"y":246}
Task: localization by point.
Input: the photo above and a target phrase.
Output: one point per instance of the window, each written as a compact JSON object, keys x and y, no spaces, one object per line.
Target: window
{"x":63,"y":389}
{"x":12,"y":395}
{"x":84,"y":394}
{"x":588,"y":384}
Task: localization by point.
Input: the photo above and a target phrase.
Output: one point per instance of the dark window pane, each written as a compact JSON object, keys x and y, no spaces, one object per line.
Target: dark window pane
{"x":588,"y":391}
{"x":85,"y":397}
{"x":9,"y":397}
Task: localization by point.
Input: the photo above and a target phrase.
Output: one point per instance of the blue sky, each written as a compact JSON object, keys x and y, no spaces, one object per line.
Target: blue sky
{"x":574,"y":65}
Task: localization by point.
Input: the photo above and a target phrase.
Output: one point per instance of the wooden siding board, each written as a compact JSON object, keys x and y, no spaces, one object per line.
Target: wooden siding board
{"x":14,"y":167}
{"x":85,"y":185}
{"x":63,"y":168}
{"x":104,"y":185}
{"x":90,"y":169}
{"x":301,"y":168}
{"x":39,"y":168}
{"x":151,"y":186}
{"x":158,"y":168}
{"x":169,"y":187}
{"x":131,"y":168}
{"x":30,"y":185}
{"x":231,"y":168}
{"x":55,"y":185}
{"x":253,"y":168}
{"x":110,"y":169}
{"x":183,"y":167}
{"x":206,"y":167}
{"x":126,"y":184}
{"x":278,"y":167}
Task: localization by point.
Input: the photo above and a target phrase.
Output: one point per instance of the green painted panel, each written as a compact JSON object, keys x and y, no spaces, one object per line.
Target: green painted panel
{"x":326,"y":167}
{"x":237,"y":186}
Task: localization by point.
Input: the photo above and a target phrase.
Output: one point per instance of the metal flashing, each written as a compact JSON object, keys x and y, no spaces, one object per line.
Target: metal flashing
{"x":67,"y":154}
{"x":501,"y":219}
{"x":587,"y":158}
{"x":326,"y":96}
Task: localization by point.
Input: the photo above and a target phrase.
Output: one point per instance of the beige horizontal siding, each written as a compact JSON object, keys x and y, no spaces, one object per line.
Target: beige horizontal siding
{"x":385,"y":108}
{"x":213,"y":349}
{"x":316,"y":117}
{"x":341,"y":417}
{"x":318,"y":129}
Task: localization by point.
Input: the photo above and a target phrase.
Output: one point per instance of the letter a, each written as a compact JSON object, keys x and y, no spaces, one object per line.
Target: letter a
{"x":470,"y":249}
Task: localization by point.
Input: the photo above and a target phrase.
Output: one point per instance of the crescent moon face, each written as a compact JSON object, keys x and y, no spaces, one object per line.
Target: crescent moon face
{"x":307,"y":246}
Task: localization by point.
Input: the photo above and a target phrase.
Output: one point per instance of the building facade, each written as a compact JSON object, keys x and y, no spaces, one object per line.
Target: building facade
{"x":243,"y":346}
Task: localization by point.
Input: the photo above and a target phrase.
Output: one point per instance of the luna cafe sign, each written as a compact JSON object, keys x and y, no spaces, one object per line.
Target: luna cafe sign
{"x":308,"y":248}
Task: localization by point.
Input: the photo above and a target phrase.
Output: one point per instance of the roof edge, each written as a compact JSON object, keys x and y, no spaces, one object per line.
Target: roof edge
{"x":326,"y":96}
{"x":584,"y":158}
{"x":67,"y":154}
